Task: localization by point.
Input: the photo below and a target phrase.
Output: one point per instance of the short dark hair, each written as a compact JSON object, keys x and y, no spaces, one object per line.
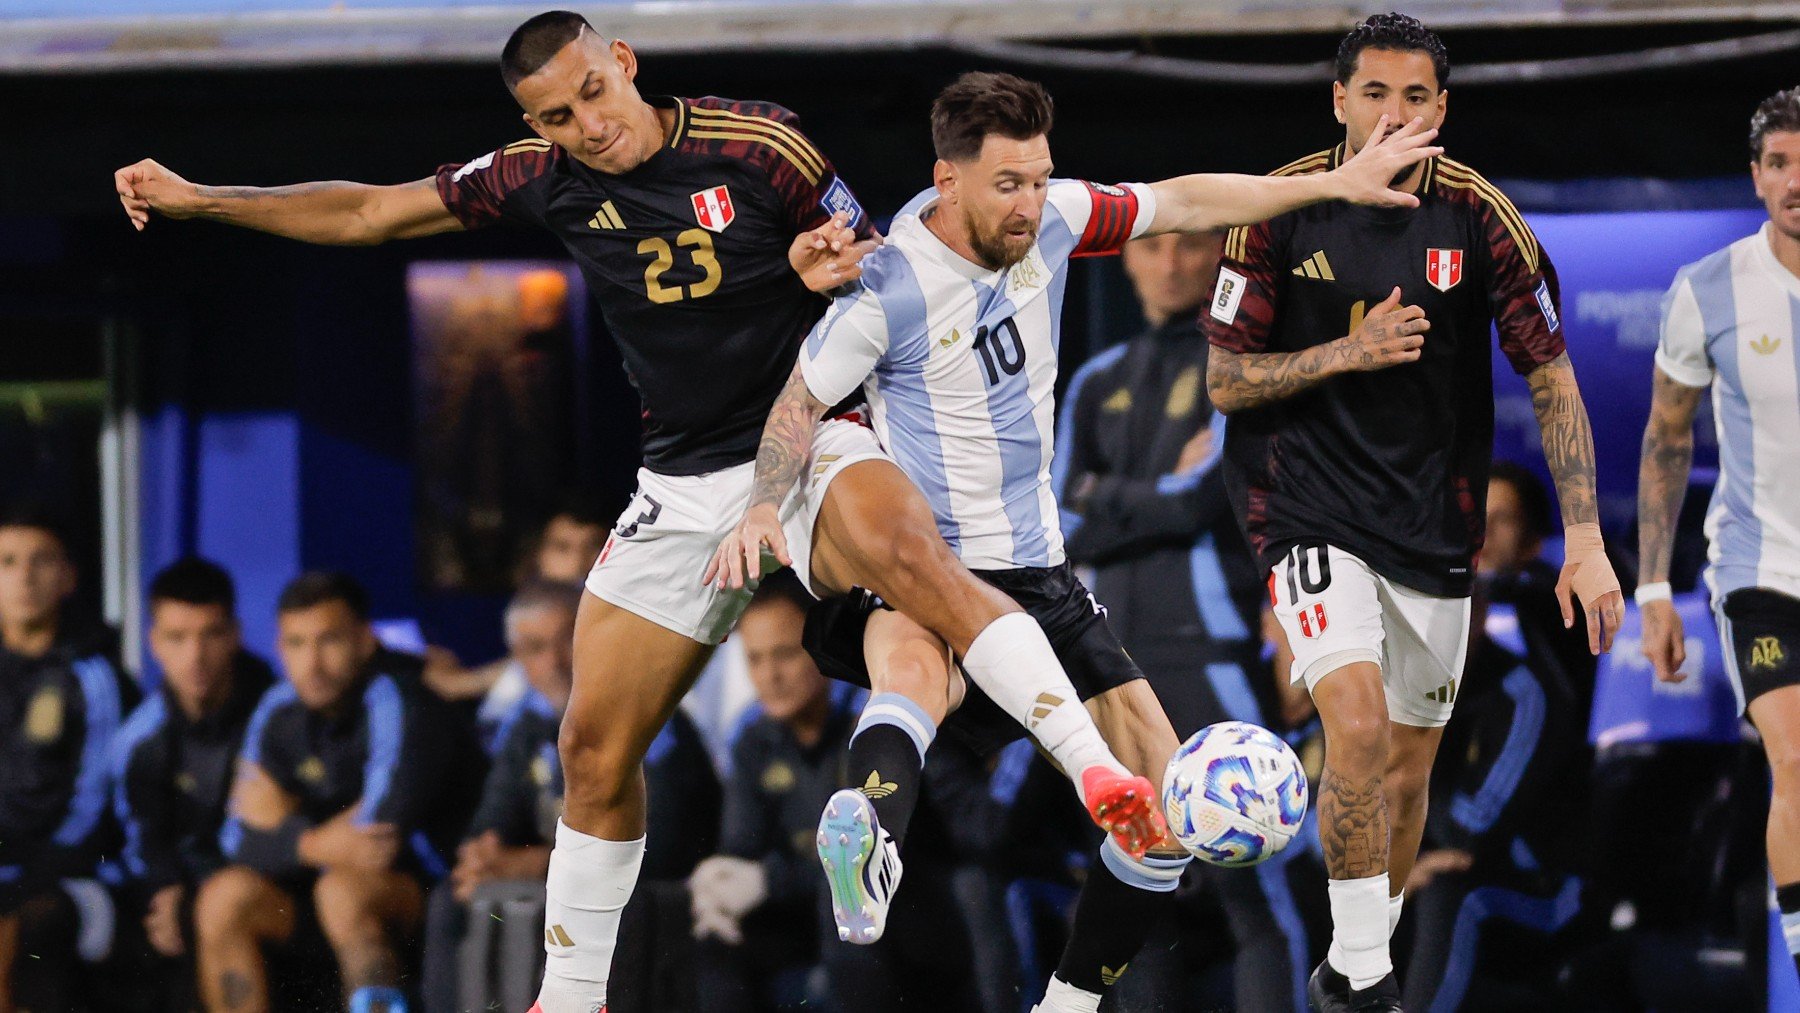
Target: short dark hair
{"x":1398,"y":33}
{"x":781,"y":586}
{"x":194,"y":581}
{"x":533,"y":43}
{"x":318,"y":587}
{"x":1534,"y":499}
{"x":1779,"y":112}
{"x":37,"y":516}
{"x":980,"y":103}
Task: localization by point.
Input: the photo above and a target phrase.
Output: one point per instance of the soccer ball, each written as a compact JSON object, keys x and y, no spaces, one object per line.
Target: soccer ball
{"x":1234,"y":794}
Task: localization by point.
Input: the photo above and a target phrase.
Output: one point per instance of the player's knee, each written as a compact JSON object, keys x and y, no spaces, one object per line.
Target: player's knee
{"x":345,"y":902}
{"x":1784,"y":770}
{"x":918,"y":673}
{"x":226,"y":902}
{"x":1357,"y":739}
{"x":597,"y":759}
{"x":1406,"y":786}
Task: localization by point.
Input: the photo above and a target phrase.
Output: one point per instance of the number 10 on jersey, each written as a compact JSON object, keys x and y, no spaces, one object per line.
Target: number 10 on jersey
{"x":996,"y":355}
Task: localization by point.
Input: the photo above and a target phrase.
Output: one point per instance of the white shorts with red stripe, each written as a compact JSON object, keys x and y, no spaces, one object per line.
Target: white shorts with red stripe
{"x":1336,"y":611}
{"x":662,"y":543}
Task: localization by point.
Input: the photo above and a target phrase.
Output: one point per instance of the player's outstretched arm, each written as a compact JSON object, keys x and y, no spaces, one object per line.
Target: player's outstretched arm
{"x":780,"y":458}
{"x":1390,"y":335}
{"x":1569,"y":451}
{"x":338,"y":213}
{"x":1663,"y":472}
{"x":1208,"y":201}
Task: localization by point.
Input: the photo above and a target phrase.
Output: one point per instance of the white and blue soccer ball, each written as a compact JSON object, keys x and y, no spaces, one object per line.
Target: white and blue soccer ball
{"x":1235,"y":794}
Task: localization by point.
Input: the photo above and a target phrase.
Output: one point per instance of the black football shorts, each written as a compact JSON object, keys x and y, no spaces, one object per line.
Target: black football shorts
{"x":1072,"y":619}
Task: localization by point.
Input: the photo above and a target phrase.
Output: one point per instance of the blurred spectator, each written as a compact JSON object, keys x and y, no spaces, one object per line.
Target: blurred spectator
{"x":562,"y":553}
{"x":61,"y":701}
{"x":1517,"y":574}
{"x":1146,"y":507}
{"x":508,"y":841}
{"x":570,"y":542}
{"x":1496,"y":878}
{"x":351,"y":788}
{"x":759,"y":907}
{"x":172,"y":761}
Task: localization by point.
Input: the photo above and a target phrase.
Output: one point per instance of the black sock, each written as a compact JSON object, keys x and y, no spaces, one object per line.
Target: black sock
{"x":1112,"y":920}
{"x":885,"y":765}
{"x":1788,"y":899}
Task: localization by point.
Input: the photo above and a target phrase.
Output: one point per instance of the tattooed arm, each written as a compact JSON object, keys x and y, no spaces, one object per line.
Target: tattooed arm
{"x":1390,"y":335}
{"x":1663,"y":473}
{"x":780,"y":459}
{"x":334,"y":212}
{"x":1568,"y":441}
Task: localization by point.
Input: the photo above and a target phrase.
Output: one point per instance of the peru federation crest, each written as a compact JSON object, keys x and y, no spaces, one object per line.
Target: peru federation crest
{"x":712,"y":208}
{"x":1443,"y":268}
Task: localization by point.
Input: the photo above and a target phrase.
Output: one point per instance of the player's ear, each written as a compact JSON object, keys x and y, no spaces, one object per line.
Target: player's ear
{"x":536,"y":127}
{"x":943,"y":174}
{"x":1443,"y":105}
{"x":628,"y":61}
{"x":1337,"y":100}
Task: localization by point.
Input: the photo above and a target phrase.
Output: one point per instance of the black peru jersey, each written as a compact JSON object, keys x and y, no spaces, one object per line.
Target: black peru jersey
{"x":1392,"y":465}
{"x":686,"y":256}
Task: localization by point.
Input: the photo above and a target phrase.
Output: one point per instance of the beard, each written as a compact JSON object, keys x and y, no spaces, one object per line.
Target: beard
{"x":998,"y":249}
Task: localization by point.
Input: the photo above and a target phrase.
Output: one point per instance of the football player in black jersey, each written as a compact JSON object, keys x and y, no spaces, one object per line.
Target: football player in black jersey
{"x":679,"y":213}
{"x":1358,"y":465}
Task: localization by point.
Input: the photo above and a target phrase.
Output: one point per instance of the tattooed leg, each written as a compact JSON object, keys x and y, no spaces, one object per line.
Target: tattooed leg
{"x":1353,"y":814}
{"x":236,"y":912}
{"x":363,"y":914}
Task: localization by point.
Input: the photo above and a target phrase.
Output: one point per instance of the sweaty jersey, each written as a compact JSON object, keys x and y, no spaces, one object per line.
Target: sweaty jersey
{"x":960,"y":364}
{"x":1392,"y":465}
{"x":1732,"y":320}
{"x":686,"y":255}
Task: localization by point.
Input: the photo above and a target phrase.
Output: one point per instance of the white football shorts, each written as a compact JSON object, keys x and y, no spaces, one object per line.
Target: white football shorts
{"x":1335,"y":610}
{"x":662,"y":543}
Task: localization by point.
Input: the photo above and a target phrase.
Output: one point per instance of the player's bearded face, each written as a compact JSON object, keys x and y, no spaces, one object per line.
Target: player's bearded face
{"x":583,"y":100}
{"x":1400,"y":85}
{"x":1002,"y":198}
{"x":1777,"y":177}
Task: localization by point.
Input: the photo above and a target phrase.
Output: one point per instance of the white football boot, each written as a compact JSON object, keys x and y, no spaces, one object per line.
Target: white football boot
{"x":862,"y":866}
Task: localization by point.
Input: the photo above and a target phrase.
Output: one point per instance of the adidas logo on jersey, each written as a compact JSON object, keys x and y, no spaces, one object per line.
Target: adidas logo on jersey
{"x":1766,"y":345}
{"x":955,"y":336}
{"x":876,"y":788}
{"x":1443,"y":694}
{"x":1109,"y":976}
{"x":606,"y":218}
{"x":1316,"y":267}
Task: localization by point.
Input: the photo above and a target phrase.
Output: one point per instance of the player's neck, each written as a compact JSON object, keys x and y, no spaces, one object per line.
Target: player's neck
{"x":665,"y":119}
{"x":1786,"y":249}
{"x":949,"y":230}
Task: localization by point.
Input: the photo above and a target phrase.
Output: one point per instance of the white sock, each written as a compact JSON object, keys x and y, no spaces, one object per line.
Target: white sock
{"x":1062,"y":997}
{"x":1359,"y":929}
{"x":590,"y":881}
{"x":1395,"y":903}
{"x":1013,"y":663}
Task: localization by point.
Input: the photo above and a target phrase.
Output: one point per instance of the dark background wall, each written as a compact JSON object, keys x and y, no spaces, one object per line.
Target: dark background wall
{"x":232,"y":325}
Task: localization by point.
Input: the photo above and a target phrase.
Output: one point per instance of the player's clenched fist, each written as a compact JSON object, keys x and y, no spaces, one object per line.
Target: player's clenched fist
{"x":1390,"y":335}
{"x":147,"y":186}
